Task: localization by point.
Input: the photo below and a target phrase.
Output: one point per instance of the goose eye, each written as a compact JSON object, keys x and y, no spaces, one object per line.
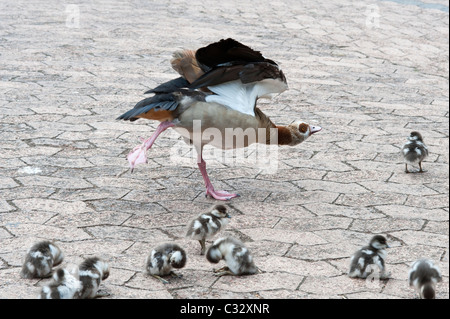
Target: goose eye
{"x":303,"y":127}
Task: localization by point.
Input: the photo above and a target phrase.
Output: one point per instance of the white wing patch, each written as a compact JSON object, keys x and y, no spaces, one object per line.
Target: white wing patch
{"x":242,"y":97}
{"x":234,"y":95}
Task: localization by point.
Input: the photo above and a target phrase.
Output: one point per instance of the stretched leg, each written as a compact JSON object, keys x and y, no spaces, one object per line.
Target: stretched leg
{"x":160,"y":279}
{"x":420,"y":166}
{"x":224,"y":271}
{"x":406,"y":168}
{"x":137,"y":155}
{"x":175,"y":275}
{"x":220,"y":195}
{"x":202,"y":243}
{"x":221,"y":269}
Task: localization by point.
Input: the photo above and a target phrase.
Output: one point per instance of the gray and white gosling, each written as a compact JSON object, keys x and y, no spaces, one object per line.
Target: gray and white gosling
{"x":206,"y":225}
{"x":64,"y":285}
{"x":40,"y":259}
{"x":92,"y":271}
{"x":237,"y":257}
{"x":414,"y":150}
{"x":369,"y":259}
{"x":163,"y":258}
{"x":423,"y":276}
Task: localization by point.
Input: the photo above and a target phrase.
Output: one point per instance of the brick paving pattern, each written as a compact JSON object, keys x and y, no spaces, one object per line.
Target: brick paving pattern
{"x":368,"y":72}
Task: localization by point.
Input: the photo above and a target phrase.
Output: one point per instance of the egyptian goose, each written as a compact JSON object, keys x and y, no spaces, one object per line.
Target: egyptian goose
{"x":163,"y":258}
{"x":217,"y":92}
{"x":92,"y":271}
{"x":423,"y":276}
{"x":373,"y":255}
{"x":236,"y":255}
{"x":207,"y":225}
{"x":40,"y":259}
{"x":64,"y":285}
{"x":414,"y":150}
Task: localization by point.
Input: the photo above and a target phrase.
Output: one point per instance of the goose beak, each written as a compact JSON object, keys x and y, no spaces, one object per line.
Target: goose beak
{"x":315,"y":129}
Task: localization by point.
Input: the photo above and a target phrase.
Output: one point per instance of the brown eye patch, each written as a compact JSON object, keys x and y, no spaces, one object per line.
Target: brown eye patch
{"x":303,"y":127}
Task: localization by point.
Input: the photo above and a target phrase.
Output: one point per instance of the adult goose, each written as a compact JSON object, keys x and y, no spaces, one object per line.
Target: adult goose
{"x":215,"y":95}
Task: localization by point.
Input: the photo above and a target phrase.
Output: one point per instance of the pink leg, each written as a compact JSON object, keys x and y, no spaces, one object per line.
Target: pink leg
{"x":220,"y":195}
{"x":137,"y":155}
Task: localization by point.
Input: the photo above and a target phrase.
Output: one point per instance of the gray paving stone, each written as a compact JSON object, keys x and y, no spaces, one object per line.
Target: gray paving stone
{"x":259,"y":282}
{"x":336,"y":285}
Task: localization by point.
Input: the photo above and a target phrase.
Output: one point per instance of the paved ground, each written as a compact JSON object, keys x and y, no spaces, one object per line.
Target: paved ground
{"x":368,"y":72}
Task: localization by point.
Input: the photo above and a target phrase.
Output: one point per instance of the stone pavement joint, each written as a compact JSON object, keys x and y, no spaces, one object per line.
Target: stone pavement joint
{"x":368,"y":72}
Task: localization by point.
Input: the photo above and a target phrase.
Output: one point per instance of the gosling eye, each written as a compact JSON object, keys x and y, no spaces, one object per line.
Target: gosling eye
{"x":303,"y":128}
